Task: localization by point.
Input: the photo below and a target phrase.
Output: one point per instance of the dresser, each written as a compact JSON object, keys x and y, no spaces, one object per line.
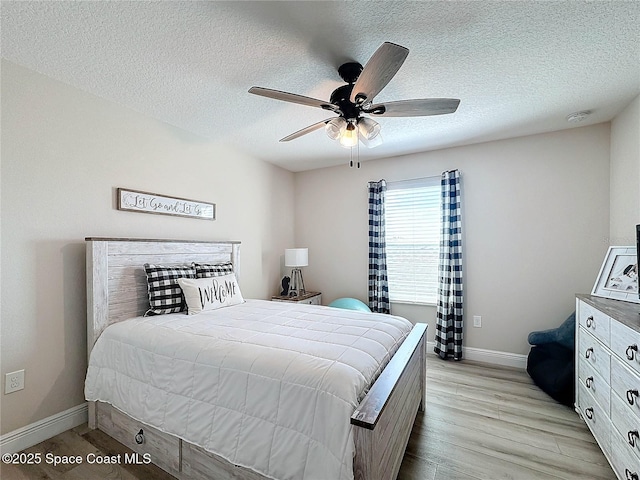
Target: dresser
{"x":309,"y":298}
{"x":608,"y":378}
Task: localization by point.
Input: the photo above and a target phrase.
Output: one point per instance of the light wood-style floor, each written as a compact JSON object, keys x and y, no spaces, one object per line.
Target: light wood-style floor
{"x":490,"y":423}
{"x":482,"y":423}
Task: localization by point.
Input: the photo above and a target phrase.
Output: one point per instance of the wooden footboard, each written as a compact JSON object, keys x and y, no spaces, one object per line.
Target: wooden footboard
{"x":385,"y":417}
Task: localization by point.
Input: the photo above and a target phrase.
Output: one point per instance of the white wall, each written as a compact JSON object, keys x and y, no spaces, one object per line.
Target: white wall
{"x":625,"y":174}
{"x":63,"y":153}
{"x":536,"y":222}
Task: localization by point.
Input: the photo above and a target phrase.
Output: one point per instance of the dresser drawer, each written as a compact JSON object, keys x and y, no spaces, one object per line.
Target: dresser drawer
{"x":625,"y":384}
{"x":623,"y":460}
{"x":595,"y":384}
{"x":625,"y":343}
{"x":607,"y":344}
{"x":594,"y":353}
{"x":162,"y":448}
{"x":594,"y":321}
{"x":595,"y":418}
{"x":626,"y":425}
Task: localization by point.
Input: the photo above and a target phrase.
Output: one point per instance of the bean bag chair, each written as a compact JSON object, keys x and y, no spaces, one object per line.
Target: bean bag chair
{"x":551,"y":361}
{"x":350,"y":304}
{"x":551,"y":366}
{"x":565,"y":334}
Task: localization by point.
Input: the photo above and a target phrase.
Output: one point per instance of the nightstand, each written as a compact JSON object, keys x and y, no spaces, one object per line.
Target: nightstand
{"x":309,"y":298}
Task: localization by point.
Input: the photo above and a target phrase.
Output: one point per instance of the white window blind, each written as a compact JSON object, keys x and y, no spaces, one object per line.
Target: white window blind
{"x":412,"y":232}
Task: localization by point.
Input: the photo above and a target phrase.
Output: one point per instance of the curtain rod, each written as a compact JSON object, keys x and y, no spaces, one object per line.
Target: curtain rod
{"x":422,"y":178}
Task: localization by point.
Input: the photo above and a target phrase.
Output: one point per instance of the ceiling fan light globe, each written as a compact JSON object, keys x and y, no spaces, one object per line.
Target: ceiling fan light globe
{"x":348,"y":141}
{"x":335,"y":127}
{"x":371,"y":143}
{"x":349,"y":137}
{"x":346,"y":144}
{"x":369,"y":128}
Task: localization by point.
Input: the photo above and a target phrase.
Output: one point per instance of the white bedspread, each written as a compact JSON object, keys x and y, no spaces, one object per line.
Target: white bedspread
{"x":267,"y":385}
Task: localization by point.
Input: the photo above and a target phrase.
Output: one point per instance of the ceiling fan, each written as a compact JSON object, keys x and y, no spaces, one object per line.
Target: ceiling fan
{"x":351,"y":102}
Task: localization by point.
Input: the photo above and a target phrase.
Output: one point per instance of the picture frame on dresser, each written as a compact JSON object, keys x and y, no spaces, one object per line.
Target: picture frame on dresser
{"x":618,"y":276}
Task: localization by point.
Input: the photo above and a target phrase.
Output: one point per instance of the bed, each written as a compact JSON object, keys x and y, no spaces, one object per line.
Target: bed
{"x":117,"y":291}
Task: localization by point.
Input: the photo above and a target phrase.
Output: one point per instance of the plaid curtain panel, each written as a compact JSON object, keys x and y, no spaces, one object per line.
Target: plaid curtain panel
{"x":378,"y":282}
{"x":217,"y":270}
{"x":165,"y":295}
{"x":449,"y":308}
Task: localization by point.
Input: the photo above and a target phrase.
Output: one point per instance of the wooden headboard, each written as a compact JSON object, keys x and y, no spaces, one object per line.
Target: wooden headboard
{"x":116,"y":280}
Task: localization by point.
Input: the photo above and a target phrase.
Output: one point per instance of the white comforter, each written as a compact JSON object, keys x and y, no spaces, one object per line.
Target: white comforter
{"x":267,"y":385}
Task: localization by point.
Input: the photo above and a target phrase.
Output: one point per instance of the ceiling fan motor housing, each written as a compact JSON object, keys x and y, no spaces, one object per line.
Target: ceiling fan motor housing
{"x":340,"y":98}
{"x":350,"y":71}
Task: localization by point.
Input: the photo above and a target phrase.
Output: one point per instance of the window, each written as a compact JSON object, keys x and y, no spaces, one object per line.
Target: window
{"x":412,"y":231}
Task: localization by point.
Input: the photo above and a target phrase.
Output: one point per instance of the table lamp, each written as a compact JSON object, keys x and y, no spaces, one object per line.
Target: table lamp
{"x":296,"y":258}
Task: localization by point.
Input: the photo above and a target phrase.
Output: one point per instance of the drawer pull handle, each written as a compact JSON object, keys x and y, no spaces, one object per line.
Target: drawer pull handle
{"x":588,"y":353}
{"x":631,"y":351}
{"x":139,"y":437}
{"x":630,"y":395}
{"x":630,"y":475}
{"x":589,"y":413}
{"x":591,"y":322}
{"x":632,"y":435}
{"x":588,"y":382}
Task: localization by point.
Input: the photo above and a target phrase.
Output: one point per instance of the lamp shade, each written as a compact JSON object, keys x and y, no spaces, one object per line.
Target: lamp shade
{"x":296,"y":257}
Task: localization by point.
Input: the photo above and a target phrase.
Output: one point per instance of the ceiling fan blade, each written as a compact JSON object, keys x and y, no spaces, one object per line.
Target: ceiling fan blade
{"x":292,"y":97}
{"x":414,"y":108}
{"x":304,"y":131}
{"x":379,"y":70}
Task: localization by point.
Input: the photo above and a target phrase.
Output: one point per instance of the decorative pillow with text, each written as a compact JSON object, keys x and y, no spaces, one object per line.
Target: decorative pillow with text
{"x":204,"y":294}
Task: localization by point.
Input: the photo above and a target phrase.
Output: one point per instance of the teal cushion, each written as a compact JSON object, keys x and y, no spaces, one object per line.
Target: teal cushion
{"x":350,"y":304}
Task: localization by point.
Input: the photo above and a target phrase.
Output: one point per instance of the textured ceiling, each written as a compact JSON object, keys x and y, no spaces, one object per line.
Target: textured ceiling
{"x":519,"y":68}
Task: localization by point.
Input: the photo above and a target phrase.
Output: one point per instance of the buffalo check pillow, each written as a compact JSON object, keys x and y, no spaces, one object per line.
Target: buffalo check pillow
{"x":204,"y":270}
{"x":165,"y":295}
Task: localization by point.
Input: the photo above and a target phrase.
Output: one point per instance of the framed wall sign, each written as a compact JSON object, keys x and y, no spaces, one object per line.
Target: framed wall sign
{"x":145,"y":202}
{"x":618,"y":277}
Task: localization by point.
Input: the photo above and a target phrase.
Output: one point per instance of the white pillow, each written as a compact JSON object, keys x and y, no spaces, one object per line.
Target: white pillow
{"x":204,"y":294}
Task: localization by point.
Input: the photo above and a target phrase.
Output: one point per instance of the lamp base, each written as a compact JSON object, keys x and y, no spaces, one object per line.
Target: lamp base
{"x":297,"y":283}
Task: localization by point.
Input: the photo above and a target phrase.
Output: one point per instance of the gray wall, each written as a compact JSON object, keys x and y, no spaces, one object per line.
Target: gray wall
{"x":536,"y":226}
{"x":63,"y":154}
{"x":625,"y":175}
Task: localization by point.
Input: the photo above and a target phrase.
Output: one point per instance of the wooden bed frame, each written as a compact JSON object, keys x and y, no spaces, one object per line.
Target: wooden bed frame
{"x":117,"y":290}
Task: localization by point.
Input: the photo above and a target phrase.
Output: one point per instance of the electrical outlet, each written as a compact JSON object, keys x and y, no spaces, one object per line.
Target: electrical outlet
{"x":477,"y":321}
{"x":13,"y":381}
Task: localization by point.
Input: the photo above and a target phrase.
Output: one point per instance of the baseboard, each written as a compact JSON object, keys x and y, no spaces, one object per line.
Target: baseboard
{"x":44,"y":429}
{"x":490,"y":356}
